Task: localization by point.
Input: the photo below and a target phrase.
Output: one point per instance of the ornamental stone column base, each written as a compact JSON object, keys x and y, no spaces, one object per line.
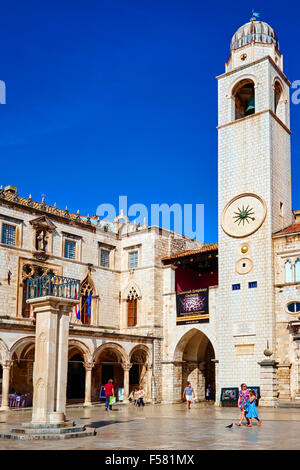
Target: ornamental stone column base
{"x":268,"y":383}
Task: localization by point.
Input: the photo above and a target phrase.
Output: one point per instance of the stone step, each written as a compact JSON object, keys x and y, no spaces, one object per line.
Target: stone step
{"x":57,"y":436}
{"x":48,"y":430}
{"x":66,"y":424}
{"x":288,"y":404}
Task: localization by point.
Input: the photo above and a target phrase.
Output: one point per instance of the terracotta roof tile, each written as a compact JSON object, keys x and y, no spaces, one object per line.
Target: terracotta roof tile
{"x":291,"y":229}
{"x":203,"y":249}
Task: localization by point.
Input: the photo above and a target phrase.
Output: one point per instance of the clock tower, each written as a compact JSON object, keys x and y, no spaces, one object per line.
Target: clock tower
{"x":254,"y":198}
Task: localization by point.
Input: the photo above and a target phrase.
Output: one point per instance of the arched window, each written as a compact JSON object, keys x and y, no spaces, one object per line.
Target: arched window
{"x":244,"y":99}
{"x":297,"y":270}
{"x":86,"y":300}
{"x":277,"y":95}
{"x":132,"y":299}
{"x":288,"y":272}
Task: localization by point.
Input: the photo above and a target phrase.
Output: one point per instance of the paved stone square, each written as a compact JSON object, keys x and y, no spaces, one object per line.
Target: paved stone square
{"x":167,"y":427}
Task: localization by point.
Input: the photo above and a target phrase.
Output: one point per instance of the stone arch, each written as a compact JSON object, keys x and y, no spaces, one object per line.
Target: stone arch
{"x":280,"y":99}
{"x":117,"y":348}
{"x":243,"y":98}
{"x":22,"y":353}
{"x":140,"y":373}
{"x":132,"y":288}
{"x":21,"y":344}
{"x":193,"y":361}
{"x":246,"y":76}
{"x":145,"y":349}
{"x":80,"y":346}
{"x":110,"y":361}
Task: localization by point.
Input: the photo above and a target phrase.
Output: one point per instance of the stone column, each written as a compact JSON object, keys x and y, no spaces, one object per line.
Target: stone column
{"x":51,"y":358}
{"x":268,"y":383}
{"x":88,"y":383}
{"x":201,"y":381}
{"x":149,"y":381}
{"x":6,"y":365}
{"x":126,"y":367}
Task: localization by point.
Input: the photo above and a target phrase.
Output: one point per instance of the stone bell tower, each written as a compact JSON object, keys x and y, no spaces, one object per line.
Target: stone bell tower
{"x":254,"y":198}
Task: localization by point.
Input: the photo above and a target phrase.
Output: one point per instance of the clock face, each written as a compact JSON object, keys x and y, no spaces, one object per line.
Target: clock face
{"x":243,"y":215}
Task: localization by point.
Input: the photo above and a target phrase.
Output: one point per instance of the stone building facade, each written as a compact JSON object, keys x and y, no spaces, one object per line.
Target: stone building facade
{"x":134,"y":275}
{"x":119,"y":264}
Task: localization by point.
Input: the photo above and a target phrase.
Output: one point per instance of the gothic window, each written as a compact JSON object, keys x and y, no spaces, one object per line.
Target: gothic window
{"x":244,"y":99}
{"x":132,"y":299}
{"x":297,"y":270}
{"x":288,"y":272}
{"x":86,"y":301}
{"x":277,"y":95}
{"x":29,"y":271}
{"x":8,"y":235}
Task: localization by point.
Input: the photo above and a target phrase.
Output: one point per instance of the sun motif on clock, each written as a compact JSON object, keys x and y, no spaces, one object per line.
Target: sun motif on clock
{"x":243,"y":215}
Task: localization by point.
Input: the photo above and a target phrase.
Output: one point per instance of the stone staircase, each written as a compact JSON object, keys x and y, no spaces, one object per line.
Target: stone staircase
{"x":288,"y":404}
{"x":29,"y":431}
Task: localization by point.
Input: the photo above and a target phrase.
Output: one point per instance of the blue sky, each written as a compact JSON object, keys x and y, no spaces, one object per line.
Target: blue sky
{"x":117,"y":97}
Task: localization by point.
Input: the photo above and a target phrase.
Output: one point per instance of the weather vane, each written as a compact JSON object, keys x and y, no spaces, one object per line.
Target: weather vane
{"x":254,"y":16}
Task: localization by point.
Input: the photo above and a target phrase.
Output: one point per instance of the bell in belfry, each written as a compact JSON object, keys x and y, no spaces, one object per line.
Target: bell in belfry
{"x":250,"y":108}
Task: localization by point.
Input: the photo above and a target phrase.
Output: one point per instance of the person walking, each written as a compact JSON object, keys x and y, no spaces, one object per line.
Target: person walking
{"x":243,"y":402}
{"x":109,"y":392}
{"x":252,"y":411}
{"x":136,"y":397}
{"x":141,"y":396}
{"x":189,"y":394}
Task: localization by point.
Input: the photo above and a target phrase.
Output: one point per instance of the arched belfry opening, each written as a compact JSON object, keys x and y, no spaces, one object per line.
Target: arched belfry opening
{"x":194,"y":358}
{"x":244,"y":98}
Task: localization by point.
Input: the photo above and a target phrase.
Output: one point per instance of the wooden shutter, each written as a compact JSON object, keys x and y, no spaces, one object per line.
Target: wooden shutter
{"x":131,"y":312}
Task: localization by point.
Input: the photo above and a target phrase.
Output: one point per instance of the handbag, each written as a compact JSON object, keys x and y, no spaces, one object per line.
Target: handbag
{"x":112,"y":400}
{"x":246,"y":406}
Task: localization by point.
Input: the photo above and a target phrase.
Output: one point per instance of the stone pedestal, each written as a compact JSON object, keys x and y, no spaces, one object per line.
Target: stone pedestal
{"x":51,"y":358}
{"x":268,"y":383}
{"x":284,"y":387}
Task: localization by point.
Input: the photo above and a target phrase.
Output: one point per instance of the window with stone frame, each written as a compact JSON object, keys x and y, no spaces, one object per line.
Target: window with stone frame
{"x":69,"y":249}
{"x":288,"y":270}
{"x":133,"y":259}
{"x":8,"y":235}
{"x":104,"y":258}
{"x":297,"y":270}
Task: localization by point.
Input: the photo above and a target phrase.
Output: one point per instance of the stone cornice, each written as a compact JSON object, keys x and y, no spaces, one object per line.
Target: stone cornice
{"x":243,"y":67}
{"x":232,"y":123}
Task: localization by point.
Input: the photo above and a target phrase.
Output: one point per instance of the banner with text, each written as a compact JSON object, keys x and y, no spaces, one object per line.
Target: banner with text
{"x":192,"y":306}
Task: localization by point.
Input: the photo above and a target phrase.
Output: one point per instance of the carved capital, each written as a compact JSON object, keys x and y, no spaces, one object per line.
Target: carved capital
{"x":7,"y":363}
{"x":88,"y":365}
{"x":126,"y":366}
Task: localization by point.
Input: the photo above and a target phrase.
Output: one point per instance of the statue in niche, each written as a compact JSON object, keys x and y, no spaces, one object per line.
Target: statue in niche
{"x":41,"y":240}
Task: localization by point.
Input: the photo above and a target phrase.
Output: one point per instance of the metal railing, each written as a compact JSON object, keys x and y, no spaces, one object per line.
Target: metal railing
{"x":55,"y":286}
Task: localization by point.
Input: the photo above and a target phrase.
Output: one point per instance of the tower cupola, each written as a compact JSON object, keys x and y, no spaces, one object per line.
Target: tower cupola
{"x":251,"y":42}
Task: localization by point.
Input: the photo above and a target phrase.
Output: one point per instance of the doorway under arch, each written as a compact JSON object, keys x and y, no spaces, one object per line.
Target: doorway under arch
{"x":194,"y":355}
{"x":108,"y":366}
{"x":76,"y":378}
